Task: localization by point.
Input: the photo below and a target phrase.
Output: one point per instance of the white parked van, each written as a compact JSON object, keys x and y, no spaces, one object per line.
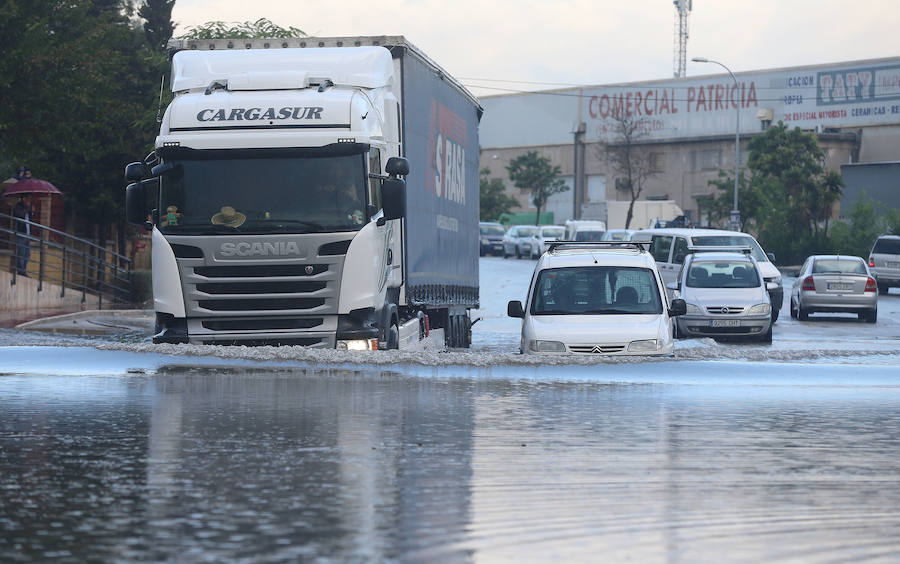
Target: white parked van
{"x":585,"y":229}
{"x":670,"y":246}
{"x":597,"y":298}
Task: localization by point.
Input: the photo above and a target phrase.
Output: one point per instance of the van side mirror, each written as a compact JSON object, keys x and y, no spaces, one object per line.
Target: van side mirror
{"x":393,"y":198}
{"x":514,"y":309}
{"x":679,"y":307}
{"x":771,"y":257}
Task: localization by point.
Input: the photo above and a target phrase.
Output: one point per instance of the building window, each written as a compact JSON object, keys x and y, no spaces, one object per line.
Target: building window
{"x":657,"y":162}
{"x":710,"y":159}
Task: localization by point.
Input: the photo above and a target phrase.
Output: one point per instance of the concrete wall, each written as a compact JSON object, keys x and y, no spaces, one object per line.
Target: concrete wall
{"x":22,"y":300}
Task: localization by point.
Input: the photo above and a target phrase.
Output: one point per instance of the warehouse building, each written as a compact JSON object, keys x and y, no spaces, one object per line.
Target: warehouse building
{"x":688,"y":128}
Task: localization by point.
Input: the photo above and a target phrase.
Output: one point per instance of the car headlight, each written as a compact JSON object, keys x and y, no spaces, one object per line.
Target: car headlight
{"x":775,"y":279}
{"x":649,"y":345}
{"x":760,"y":308}
{"x":691,"y":308}
{"x":546,"y":346}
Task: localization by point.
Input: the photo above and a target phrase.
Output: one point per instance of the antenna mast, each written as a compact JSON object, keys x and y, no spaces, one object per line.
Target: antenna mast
{"x":682,"y":11}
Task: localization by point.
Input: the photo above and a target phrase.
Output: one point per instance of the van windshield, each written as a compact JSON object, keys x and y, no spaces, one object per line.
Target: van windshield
{"x":731,"y":241}
{"x":596,"y":290}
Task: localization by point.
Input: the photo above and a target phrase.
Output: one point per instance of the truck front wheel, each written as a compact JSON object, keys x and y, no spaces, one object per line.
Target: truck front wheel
{"x":393,"y":337}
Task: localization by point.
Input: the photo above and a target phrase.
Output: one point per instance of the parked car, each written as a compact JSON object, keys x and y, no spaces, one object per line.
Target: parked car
{"x":617,"y":235}
{"x":725,"y":296}
{"x":491,"y":238}
{"x":518,"y":240}
{"x":585,"y":229}
{"x":596,"y":298}
{"x":832,"y":283}
{"x":884,"y":262}
{"x":546,"y":234}
{"x":669,"y":246}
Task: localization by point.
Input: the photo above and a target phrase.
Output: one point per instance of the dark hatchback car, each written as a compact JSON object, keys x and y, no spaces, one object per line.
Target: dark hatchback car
{"x":491,"y":238}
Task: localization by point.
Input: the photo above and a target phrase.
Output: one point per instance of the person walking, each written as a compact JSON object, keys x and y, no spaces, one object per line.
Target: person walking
{"x":22,"y":215}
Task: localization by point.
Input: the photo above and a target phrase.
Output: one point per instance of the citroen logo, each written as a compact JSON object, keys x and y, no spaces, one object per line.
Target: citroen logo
{"x":309,"y":270}
{"x":597,"y":349}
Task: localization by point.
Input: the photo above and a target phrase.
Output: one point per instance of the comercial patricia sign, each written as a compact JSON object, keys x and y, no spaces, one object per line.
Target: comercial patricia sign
{"x":840,"y":95}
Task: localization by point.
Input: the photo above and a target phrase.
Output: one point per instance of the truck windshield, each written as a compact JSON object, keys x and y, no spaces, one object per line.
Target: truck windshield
{"x":596,"y":290}
{"x":271,"y":193}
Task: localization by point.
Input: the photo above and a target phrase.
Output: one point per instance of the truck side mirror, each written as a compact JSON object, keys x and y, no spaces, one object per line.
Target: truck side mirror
{"x":397,"y":166}
{"x":514,"y":309}
{"x":135,"y":171}
{"x":679,"y":307}
{"x":393,"y":197}
{"x":135,"y":197}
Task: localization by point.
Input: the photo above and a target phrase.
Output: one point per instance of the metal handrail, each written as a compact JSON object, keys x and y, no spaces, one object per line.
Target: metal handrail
{"x":75,"y":263}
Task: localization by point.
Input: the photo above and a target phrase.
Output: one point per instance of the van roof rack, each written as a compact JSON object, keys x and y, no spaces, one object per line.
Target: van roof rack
{"x":639,"y":245}
{"x":720,"y":249}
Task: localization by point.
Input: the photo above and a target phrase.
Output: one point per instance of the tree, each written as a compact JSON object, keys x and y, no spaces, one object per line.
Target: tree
{"x":76,"y":79}
{"x":241,"y":30}
{"x":627,"y":156}
{"x":855,"y":236}
{"x":493,"y":200}
{"x":721,"y":205}
{"x":535,"y":174}
{"x":158,"y":25}
{"x":796,"y":194}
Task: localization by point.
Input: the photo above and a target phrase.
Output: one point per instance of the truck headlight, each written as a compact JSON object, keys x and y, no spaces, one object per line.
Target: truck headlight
{"x":546,"y":346}
{"x":649,"y":345}
{"x":760,"y":308}
{"x":691,"y":308}
{"x":357,"y":345}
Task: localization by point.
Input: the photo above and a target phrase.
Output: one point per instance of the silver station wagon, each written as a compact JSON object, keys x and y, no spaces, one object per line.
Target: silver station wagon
{"x":835,"y":284}
{"x":725,"y":296}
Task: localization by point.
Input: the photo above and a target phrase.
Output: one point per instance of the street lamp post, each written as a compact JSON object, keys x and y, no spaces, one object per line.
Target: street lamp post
{"x":735,"y":212}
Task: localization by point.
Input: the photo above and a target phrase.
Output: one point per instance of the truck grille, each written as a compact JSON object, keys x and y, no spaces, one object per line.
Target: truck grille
{"x":262,"y":301}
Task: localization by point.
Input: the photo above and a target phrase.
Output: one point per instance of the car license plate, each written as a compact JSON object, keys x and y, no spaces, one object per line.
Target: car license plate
{"x":839,"y":286}
{"x":725,"y":323}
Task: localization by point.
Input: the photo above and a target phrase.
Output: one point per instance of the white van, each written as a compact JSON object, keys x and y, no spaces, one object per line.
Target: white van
{"x":669,"y":247}
{"x":585,"y":229}
{"x":597,"y":298}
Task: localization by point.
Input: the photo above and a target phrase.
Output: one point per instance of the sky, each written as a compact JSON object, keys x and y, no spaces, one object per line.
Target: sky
{"x":498,"y":46}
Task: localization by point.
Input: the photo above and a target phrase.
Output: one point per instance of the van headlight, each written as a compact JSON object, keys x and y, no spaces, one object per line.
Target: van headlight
{"x":759,"y":309}
{"x":546,"y":346}
{"x":649,"y":345}
{"x":691,"y":308}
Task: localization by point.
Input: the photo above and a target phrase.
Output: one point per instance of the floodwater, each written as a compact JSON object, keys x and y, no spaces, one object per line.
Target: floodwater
{"x":166,"y":459}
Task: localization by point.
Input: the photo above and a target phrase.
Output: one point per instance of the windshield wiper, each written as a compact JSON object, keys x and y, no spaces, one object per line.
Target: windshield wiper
{"x":610,"y":310}
{"x":307,"y":224}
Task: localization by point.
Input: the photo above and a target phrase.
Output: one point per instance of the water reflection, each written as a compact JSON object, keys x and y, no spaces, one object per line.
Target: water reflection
{"x":240,"y":464}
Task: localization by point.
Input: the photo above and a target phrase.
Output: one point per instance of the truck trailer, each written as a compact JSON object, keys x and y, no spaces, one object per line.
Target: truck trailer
{"x":313,"y":191}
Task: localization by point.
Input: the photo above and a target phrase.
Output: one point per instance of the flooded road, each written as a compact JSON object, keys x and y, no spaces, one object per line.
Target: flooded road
{"x":171,"y":459}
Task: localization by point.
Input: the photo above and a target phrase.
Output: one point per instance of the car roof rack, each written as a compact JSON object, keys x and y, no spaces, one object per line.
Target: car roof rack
{"x":642,"y":246}
{"x":720,"y":249}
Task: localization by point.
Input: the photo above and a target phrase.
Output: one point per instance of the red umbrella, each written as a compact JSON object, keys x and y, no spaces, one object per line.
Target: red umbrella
{"x":32,"y":186}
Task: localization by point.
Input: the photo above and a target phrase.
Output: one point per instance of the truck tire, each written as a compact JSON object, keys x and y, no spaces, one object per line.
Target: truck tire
{"x":393,"y":337}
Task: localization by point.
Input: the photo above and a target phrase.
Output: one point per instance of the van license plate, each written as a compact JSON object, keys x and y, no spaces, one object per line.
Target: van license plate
{"x":839,"y":286}
{"x":725,"y":323}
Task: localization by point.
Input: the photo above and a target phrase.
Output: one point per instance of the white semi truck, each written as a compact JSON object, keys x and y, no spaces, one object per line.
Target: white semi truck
{"x":277,"y":200}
